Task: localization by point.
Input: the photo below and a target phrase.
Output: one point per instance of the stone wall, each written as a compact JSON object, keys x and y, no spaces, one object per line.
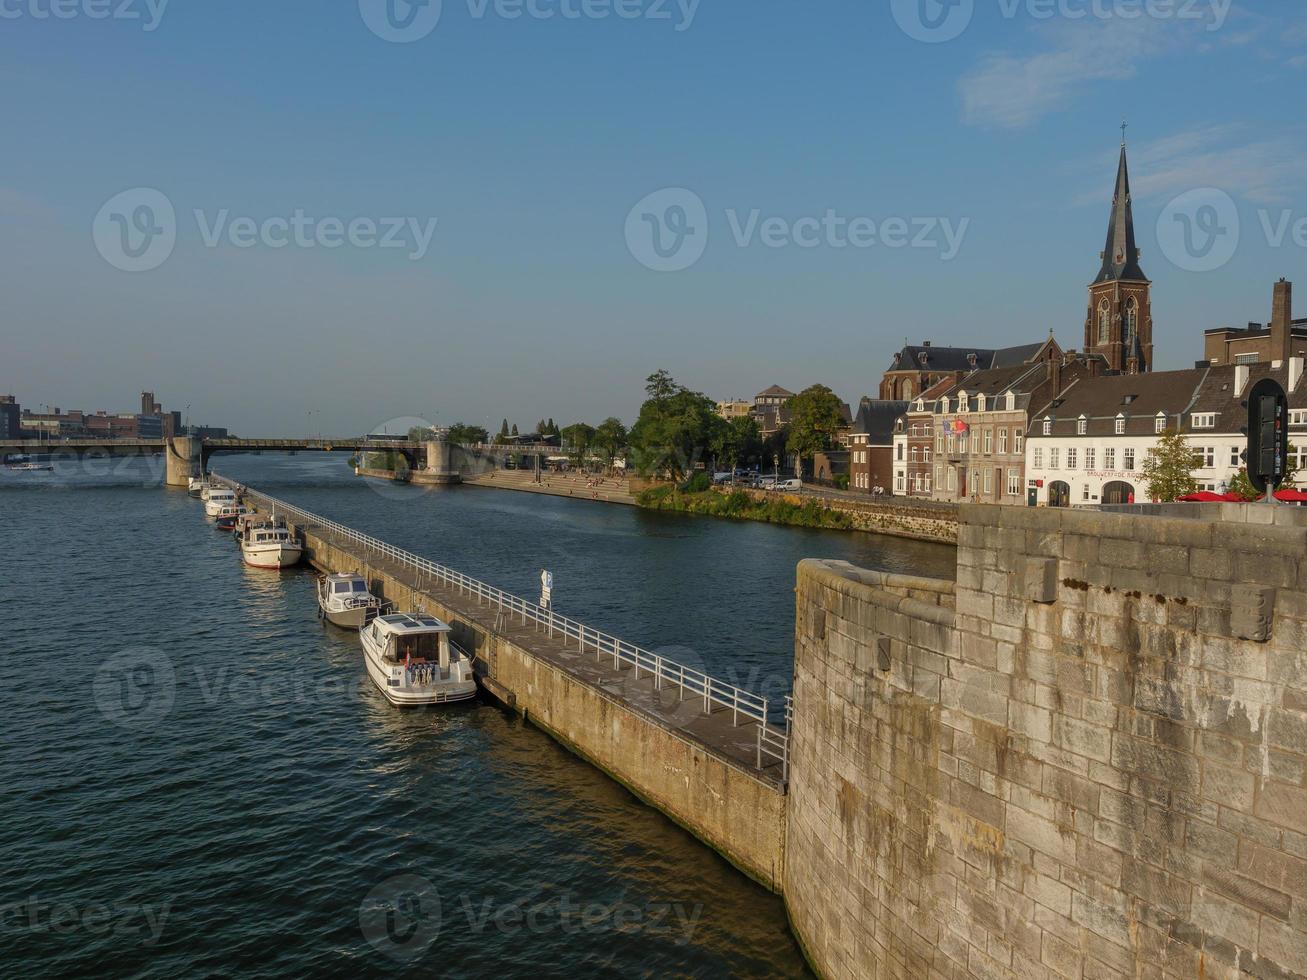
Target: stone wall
{"x":919,"y":520}
{"x":1094,"y":767}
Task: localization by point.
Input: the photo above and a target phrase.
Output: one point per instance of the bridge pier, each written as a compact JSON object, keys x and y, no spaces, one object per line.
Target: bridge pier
{"x":182,"y":455}
{"x":440,"y":468}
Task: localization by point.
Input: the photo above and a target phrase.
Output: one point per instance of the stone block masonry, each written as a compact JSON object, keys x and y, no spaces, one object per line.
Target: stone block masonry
{"x":1089,"y":761}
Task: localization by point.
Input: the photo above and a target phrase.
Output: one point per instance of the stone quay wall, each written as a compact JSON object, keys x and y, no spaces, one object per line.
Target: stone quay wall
{"x":738,"y":815}
{"x":1093,"y":766}
{"x":919,"y":520}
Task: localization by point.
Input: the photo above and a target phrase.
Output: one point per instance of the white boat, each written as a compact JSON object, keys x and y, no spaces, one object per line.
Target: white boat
{"x":218,"y":498}
{"x":25,"y":464}
{"x":344,"y":599}
{"x":196,"y":486}
{"x":269,"y":544}
{"x":412,"y":660}
{"x":229,"y":515}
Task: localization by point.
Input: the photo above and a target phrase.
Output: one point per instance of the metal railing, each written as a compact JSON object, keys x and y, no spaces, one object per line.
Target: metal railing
{"x":772,"y":740}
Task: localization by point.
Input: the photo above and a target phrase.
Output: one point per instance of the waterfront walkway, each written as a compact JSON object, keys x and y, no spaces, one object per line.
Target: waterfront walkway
{"x":613,"y":490}
{"x":717,"y":717}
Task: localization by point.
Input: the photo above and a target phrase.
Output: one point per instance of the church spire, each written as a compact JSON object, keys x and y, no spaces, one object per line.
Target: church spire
{"x":1121,"y":255}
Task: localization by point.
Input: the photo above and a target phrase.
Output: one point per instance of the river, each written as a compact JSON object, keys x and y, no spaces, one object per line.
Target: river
{"x":199,"y":779}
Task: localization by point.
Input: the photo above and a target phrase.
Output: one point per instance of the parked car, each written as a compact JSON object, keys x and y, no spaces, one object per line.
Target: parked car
{"x":788,"y":485}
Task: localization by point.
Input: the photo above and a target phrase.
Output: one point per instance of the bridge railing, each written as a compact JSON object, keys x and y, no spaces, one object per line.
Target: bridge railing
{"x":772,"y":740}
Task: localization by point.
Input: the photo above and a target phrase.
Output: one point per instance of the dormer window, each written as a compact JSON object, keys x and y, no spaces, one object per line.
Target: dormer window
{"x":1204,"y":420}
{"x":971,"y":360}
{"x":1159,"y":423}
{"x":980,"y":405}
{"x":1011,"y":401}
{"x":1082,"y":426}
{"x":962,"y":402}
{"x":1048,"y":425}
{"x":943,"y":406}
{"x":1120,"y":425}
{"x":923,"y":357}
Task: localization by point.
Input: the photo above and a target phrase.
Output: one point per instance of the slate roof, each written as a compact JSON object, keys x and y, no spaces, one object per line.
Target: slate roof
{"x":876,"y":418}
{"x":1138,"y":396}
{"x":773,"y":391}
{"x":1217,"y":395}
{"x":1121,"y":254}
{"x":960,"y":358}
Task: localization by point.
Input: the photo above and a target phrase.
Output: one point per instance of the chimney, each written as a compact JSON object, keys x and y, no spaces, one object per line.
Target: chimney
{"x":1282,"y":321}
{"x":1055,"y":374}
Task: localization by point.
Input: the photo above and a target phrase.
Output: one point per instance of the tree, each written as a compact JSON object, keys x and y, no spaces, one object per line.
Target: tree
{"x":1243,"y":486}
{"x":675,"y":429}
{"x":738,"y":441}
{"x":610,"y":438}
{"x":578,"y":436}
{"x":815,"y":418}
{"x":461,"y":432}
{"x":419,"y":434}
{"x":1168,"y":468}
{"x":515,"y":428}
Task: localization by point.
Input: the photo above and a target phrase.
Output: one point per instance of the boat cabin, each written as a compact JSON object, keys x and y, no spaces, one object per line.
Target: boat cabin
{"x":266,"y":533}
{"x":415,"y":638}
{"x":342,"y":585}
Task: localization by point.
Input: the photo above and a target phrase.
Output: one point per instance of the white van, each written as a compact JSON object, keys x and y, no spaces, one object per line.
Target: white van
{"x":788,"y":485}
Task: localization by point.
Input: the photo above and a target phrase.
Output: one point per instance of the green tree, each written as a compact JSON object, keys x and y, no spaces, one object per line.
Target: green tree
{"x":514,"y":428}
{"x":419,"y":434}
{"x":462,"y":432}
{"x":1168,"y":468}
{"x":1243,"y":486}
{"x":815,"y":418}
{"x":578,"y":436}
{"x":676,"y":427}
{"x":738,"y":441}
{"x":610,"y":438}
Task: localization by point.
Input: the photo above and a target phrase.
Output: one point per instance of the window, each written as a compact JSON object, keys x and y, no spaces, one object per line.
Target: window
{"x":1104,"y":322}
{"x":1082,"y":426}
{"x":900,"y":482}
{"x":939,"y":476}
{"x":1235,"y":461}
{"x":1129,"y":461}
{"x":939,"y":443}
{"x":899,"y":452}
{"x":1018,"y":437}
{"x":989,"y":442}
{"x":1013,"y":482}
{"x":952,"y":478}
{"x":1245,"y":358}
{"x":1208,"y":454}
{"x":1120,"y":425}
{"x":943,"y":405}
{"x":989,"y":481}
{"x":925,"y":455}
{"x":1109,"y":459}
{"x":1131,"y":324}
{"x":1038,"y":461}
{"x":1159,"y":423}
{"x":963,"y":405}
{"x":1048,"y":427}
{"x":1204,"y":420}
{"x":1002,"y":442}
{"x":952,"y":443}
{"x":963,"y":439}
{"x":1084,"y":495}
{"x":1011,"y":401}
{"x":1298,"y":416}
{"x":980,"y":403}
{"x":1054,"y":458}
{"x":1071,"y":459}
{"x":1091,"y":458}
{"x":927,"y":489}
{"x":914,"y":454}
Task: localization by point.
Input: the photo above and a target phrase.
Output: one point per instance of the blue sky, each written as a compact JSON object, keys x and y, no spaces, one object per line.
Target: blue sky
{"x":530,"y":140}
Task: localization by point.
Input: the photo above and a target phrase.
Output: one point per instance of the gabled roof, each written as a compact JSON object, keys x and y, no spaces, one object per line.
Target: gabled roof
{"x":774,"y":391}
{"x":875,"y":419}
{"x":1218,"y":395}
{"x":1139,"y":397}
{"x":909,"y":358}
{"x":1021,"y":378}
{"x":1121,"y":254}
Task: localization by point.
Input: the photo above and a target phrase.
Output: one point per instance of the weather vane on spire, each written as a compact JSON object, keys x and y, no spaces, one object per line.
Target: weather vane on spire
{"x":1123,"y":128}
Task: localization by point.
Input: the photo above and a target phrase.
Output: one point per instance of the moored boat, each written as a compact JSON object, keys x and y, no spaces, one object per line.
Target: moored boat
{"x":344,"y":599}
{"x":26,"y":464}
{"x":413,"y":661}
{"x":269,"y":544}
{"x":227,"y":516}
{"x":196,"y":486}
{"x":218,"y":498}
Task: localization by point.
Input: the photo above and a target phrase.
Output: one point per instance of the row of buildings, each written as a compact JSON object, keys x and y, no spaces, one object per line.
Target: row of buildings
{"x":151,"y":422}
{"x":1039,"y":425}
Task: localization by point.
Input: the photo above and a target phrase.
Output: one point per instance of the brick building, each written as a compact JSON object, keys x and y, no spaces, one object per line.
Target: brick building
{"x":871,"y":444}
{"x":1278,"y":340}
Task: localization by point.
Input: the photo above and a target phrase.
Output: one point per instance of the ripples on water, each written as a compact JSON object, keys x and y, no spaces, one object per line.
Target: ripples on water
{"x":241,"y":792}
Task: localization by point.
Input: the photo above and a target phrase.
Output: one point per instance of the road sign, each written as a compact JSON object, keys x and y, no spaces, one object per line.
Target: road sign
{"x":1268,"y":435}
{"x":546,"y":587}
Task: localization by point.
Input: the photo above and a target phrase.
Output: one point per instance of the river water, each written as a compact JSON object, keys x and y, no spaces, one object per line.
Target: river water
{"x":199,"y":779}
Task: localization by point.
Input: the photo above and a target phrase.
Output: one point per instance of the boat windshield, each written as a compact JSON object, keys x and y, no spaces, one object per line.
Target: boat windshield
{"x":419,"y":647}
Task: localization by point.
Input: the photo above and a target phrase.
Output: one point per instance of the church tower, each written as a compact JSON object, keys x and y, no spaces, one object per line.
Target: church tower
{"x":1120,"y":321}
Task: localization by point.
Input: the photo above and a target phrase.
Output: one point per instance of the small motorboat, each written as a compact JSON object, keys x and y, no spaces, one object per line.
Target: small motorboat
{"x":26,"y":464}
{"x":218,"y":498}
{"x":269,"y":544}
{"x":344,"y":599}
{"x":196,"y":486}
{"x":413,"y":661}
{"x":227,"y":516}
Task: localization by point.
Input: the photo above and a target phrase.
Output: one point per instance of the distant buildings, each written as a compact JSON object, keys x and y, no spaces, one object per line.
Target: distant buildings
{"x":10,"y":414}
{"x":1280,"y":339}
{"x":152,"y":422}
{"x":871,"y":444}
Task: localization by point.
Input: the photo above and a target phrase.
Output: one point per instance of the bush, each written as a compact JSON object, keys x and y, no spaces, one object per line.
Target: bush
{"x":698,"y":482}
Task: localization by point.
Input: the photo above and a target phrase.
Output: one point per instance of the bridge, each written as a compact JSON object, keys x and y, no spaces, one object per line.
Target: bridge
{"x":433,"y":461}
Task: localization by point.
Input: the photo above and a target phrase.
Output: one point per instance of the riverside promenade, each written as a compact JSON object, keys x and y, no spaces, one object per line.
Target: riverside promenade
{"x":610,"y":490}
{"x":711,"y":756}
